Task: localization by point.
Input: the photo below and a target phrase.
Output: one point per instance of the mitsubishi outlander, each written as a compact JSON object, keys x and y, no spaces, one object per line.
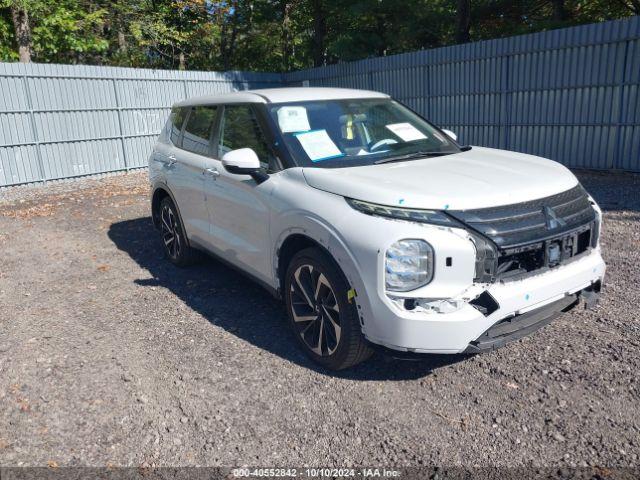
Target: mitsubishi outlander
{"x":374,"y":226}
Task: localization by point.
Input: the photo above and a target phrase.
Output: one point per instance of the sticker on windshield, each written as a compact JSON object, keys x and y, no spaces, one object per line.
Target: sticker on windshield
{"x":406,"y":131}
{"x":293,"y":119}
{"x":318,"y":145}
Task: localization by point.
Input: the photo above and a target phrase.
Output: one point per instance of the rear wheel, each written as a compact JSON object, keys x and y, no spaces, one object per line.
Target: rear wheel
{"x":323,"y":320}
{"x":176,"y":247}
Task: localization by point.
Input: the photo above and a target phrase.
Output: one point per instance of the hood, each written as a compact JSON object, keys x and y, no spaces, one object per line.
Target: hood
{"x":478,"y":178}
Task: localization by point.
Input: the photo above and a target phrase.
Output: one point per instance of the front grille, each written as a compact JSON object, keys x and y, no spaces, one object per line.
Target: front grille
{"x":523,"y":223}
{"x":536,"y":234}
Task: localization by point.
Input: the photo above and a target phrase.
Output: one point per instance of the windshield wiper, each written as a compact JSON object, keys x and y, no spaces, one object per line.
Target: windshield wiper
{"x":411,"y":156}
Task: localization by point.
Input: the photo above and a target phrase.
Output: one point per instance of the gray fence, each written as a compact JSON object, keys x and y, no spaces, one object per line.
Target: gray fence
{"x":62,"y":121}
{"x":571,"y":95}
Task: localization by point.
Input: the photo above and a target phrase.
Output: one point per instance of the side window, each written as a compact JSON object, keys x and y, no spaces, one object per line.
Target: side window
{"x":197,"y":131}
{"x":177,"y":119}
{"x":240,"y":129}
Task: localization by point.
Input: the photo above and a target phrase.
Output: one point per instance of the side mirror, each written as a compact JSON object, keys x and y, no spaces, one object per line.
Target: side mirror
{"x":451,"y":134}
{"x":244,"y":161}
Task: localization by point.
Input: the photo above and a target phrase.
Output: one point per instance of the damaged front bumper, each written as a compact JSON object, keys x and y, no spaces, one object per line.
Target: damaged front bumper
{"x":518,"y":309}
{"x":518,"y":326}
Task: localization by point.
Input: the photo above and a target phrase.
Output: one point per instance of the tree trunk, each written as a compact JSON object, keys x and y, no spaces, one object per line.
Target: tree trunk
{"x":122,"y":42}
{"x":319,"y":33}
{"x":559,"y":11}
{"x":463,"y":21}
{"x":183,"y":62}
{"x":228,"y":41}
{"x":286,"y":35}
{"x":22,"y":29}
{"x":381,"y":31}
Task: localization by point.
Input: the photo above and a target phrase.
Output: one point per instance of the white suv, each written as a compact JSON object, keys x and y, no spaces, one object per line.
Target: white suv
{"x":374,"y":226}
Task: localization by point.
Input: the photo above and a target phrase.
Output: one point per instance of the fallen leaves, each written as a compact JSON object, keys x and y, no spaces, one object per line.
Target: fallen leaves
{"x":45,"y":201}
{"x":40,"y":210}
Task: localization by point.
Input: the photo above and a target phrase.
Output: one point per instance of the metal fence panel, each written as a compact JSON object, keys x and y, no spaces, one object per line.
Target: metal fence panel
{"x":63,"y":121}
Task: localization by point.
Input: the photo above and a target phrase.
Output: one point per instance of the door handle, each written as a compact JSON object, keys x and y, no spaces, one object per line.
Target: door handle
{"x":213,"y":172}
{"x":172,"y":160}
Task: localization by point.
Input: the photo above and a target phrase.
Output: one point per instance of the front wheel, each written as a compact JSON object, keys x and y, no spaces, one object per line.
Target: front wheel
{"x":321,"y":316}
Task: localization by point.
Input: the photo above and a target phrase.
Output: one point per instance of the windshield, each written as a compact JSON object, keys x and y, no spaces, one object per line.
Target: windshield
{"x":346,"y":133}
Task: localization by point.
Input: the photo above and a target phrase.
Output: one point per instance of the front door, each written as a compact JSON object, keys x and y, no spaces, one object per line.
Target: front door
{"x":238,"y":206}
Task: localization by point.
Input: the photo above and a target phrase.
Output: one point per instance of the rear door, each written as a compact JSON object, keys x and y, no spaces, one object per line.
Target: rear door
{"x":182,"y":173}
{"x":188,"y":179}
{"x":238,"y":206}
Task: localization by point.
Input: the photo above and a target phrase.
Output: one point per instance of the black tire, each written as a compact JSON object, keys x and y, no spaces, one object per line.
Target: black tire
{"x":324,"y":309}
{"x":175,"y":244}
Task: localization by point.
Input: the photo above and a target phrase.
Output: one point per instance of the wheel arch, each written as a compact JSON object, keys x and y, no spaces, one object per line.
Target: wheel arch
{"x":322,"y":237}
{"x":292,"y":244}
{"x":160,"y":192}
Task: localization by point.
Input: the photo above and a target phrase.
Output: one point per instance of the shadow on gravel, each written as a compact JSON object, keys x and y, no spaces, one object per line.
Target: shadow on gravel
{"x":231,"y":301}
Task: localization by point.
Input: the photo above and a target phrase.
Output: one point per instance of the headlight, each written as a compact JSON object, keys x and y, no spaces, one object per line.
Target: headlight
{"x":422,"y":216}
{"x":408,"y":265}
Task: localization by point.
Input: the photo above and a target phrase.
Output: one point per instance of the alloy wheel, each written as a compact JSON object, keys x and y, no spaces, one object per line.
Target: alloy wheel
{"x":171,"y":232}
{"x":315,"y":309}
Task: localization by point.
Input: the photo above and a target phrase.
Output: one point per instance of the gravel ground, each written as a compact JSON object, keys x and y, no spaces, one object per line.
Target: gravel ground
{"x":111,"y":356}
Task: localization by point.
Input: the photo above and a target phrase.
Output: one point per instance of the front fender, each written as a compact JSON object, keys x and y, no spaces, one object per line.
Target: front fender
{"x":321,"y":231}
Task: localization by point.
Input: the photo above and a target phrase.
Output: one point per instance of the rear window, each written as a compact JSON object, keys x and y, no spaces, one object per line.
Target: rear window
{"x":176,"y":120}
{"x":197,"y":131}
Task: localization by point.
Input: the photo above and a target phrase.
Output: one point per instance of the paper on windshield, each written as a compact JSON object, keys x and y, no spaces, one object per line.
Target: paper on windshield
{"x":293,"y":119}
{"x":406,"y":131}
{"x":318,"y":145}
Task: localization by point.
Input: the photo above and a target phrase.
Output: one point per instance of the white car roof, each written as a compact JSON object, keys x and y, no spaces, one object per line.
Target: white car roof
{"x":281,"y":95}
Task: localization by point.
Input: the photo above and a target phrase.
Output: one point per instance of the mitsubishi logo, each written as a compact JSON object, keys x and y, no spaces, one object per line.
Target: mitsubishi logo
{"x":551,"y":219}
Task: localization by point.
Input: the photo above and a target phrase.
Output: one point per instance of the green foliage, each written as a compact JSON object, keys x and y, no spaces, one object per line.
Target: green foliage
{"x":271,"y":35}
{"x":8,"y":52}
{"x":67,"y":34}
{"x":64,"y":31}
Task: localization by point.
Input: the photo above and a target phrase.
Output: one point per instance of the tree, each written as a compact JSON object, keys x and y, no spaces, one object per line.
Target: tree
{"x":230,"y":25}
{"x":21,"y":27}
{"x":269,"y":35}
{"x":318,"y":48}
{"x":632,"y":6}
{"x":8,"y":46}
{"x":463,"y":21}
{"x":559,"y":11}
{"x":60,"y":31}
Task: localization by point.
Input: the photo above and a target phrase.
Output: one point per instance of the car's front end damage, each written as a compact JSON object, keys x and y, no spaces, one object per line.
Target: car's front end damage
{"x":488,"y":276}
